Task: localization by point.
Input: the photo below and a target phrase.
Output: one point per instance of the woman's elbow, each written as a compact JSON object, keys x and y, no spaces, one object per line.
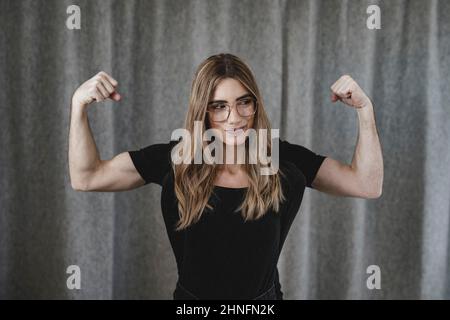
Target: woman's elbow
{"x":375,"y":191}
{"x":374,"y":194}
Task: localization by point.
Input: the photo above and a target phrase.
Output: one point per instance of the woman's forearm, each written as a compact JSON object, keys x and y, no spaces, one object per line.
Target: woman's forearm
{"x":367,"y":159}
{"x":83,"y":153}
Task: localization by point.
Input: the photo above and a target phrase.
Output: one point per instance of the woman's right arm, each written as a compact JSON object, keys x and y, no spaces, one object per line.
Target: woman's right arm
{"x":87,"y":171}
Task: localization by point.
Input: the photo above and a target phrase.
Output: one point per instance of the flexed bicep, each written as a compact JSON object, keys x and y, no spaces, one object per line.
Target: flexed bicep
{"x":116,"y":174}
{"x":337,"y":178}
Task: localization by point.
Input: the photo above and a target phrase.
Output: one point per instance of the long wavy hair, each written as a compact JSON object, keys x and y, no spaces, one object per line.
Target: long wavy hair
{"x":194,"y":183}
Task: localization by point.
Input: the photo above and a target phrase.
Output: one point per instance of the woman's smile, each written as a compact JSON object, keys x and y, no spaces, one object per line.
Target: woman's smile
{"x":236,"y":131}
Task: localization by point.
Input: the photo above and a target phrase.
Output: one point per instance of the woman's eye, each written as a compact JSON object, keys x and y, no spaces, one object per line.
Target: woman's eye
{"x":244,"y":102}
{"x":219,"y":106}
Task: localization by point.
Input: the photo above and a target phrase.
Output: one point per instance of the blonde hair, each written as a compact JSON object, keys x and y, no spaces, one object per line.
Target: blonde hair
{"x":194,"y":183}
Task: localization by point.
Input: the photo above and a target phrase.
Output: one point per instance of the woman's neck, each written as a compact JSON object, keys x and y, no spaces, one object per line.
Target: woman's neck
{"x":231,"y":169}
{"x":234,"y":158}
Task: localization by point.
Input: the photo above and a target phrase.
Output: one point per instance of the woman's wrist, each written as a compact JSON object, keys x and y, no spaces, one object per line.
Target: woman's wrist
{"x":366,"y":115}
{"x":78,"y":108}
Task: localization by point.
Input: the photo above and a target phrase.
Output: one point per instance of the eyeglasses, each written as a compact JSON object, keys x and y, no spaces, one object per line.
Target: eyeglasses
{"x":220,"y":111}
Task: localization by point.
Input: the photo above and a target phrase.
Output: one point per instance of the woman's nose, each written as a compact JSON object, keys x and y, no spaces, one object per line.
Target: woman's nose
{"x":234,"y":116}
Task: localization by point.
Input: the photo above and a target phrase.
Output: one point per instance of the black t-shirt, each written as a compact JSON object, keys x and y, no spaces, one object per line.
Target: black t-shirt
{"x":222,"y":256}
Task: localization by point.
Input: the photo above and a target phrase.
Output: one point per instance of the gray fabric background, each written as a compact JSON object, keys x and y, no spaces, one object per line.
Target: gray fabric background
{"x":296,"y":49}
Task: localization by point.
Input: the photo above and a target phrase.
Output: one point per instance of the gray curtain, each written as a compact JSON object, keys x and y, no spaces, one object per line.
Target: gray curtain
{"x":296,"y":50}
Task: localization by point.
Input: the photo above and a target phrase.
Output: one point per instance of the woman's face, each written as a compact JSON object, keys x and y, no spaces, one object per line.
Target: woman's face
{"x":231,"y":92}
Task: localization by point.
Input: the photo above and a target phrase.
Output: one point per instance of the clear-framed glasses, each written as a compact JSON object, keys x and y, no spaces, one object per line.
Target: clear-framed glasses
{"x":220,"y":111}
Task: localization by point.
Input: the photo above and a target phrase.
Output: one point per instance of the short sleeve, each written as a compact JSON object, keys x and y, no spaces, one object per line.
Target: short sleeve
{"x":153,"y":162}
{"x":306,"y":160}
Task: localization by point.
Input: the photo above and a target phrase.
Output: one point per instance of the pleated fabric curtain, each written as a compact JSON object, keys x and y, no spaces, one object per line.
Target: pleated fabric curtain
{"x":296,"y":49}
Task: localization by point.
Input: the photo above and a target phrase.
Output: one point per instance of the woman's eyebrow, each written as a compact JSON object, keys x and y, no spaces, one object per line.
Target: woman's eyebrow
{"x":225,"y":101}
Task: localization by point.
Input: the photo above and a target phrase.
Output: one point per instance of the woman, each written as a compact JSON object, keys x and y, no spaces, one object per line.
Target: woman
{"x":226,"y":221}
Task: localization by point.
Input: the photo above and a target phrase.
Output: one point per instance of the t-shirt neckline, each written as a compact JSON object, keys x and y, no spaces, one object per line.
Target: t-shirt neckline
{"x":230,"y":188}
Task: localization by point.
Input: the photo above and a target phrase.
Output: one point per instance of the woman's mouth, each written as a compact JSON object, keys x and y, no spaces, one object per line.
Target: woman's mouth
{"x":236,"y":131}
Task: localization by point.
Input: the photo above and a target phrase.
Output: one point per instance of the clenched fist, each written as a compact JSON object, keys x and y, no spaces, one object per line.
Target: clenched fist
{"x":98,"y":88}
{"x":349,"y":92}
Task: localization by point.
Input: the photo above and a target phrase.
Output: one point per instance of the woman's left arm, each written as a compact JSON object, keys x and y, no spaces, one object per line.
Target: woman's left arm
{"x":363,"y":178}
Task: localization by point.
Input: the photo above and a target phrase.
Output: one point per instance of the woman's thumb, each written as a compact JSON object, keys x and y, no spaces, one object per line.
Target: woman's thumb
{"x":115,"y":96}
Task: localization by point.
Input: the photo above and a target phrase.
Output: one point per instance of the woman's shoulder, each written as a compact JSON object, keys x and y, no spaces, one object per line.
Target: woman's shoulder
{"x":303,"y":158}
{"x":290,"y":151}
{"x":153,"y":161}
{"x":286,"y":146}
{"x":294,"y":151}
